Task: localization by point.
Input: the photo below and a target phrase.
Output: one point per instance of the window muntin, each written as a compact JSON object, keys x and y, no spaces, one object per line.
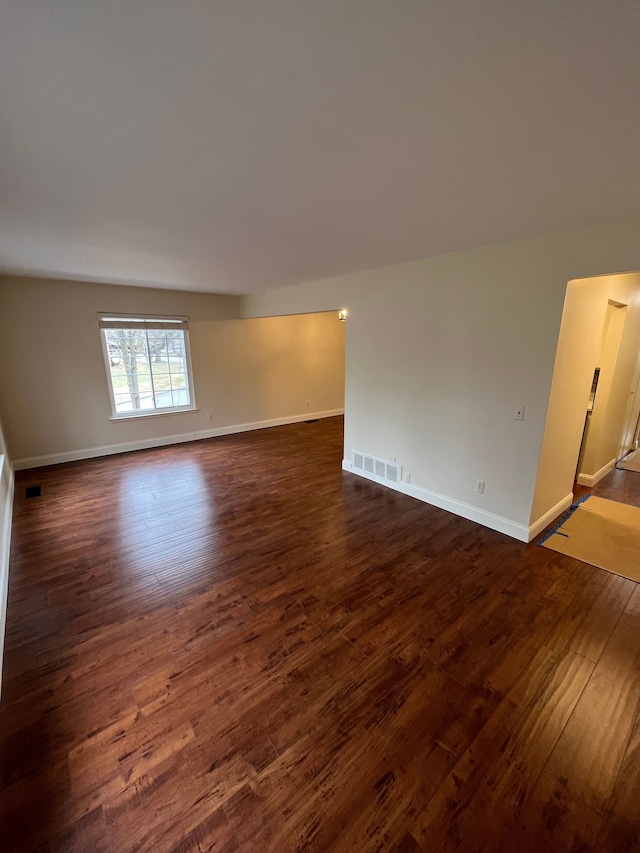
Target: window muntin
{"x":148,"y":365}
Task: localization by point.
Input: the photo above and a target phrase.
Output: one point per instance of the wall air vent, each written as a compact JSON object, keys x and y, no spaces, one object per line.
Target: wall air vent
{"x":393,"y":473}
{"x":378,"y":469}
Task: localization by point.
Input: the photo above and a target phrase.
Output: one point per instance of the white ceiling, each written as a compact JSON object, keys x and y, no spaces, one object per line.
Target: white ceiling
{"x":230,"y":145}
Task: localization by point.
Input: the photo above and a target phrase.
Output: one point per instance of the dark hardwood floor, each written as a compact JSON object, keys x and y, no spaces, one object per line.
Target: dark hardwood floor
{"x":232,"y":645}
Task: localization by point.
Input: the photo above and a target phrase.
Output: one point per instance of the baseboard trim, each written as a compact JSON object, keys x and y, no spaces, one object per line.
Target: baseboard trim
{"x":148,"y":443}
{"x":6,"y":475}
{"x":546,"y":519}
{"x":591,"y":479}
{"x":471,"y":513}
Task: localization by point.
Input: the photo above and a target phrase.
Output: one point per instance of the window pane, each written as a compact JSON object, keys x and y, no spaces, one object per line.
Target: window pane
{"x":164,"y":399}
{"x":178,"y":380}
{"x":123,"y":403}
{"x":181,"y":398}
{"x":162,"y":382}
{"x":119,"y":381}
{"x":175,"y":342}
{"x":137,"y":385}
{"x":157,"y":347}
{"x":147,"y":369}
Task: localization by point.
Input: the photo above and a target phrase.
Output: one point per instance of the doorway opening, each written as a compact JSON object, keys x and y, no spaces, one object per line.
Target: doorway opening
{"x":607,"y":400}
{"x":593,"y":405}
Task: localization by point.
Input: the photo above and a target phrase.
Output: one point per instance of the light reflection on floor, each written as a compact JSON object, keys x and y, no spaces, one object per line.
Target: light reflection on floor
{"x":160,"y":508}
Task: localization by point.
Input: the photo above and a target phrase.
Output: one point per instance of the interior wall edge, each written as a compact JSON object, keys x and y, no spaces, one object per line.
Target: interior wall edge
{"x":592,"y":479}
{"x":472,"y":513}
{"x":549,"y":516}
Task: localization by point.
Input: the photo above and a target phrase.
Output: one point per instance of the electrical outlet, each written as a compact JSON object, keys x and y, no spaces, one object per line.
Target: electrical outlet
{"x":480,"y":487}
{"x":406,"y":477}
{"x":308,"y":404}
{"x":209,"y":417}
{"x":518,"y":415}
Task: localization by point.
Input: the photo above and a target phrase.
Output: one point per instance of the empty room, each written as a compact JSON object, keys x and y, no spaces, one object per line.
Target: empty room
{"x":319,"y":426}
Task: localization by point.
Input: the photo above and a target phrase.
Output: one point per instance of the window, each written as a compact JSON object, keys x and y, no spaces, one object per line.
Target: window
{"x":148,"y":364}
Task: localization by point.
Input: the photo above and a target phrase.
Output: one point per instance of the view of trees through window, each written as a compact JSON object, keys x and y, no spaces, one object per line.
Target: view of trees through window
{"x":148,"y":369}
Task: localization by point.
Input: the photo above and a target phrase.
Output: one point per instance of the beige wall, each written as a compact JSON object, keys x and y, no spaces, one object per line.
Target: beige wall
{"x":441,"y":351}
{"x":578,"y":346}
{"x":632,"y":415}
{"x":621,"y":396}
{"x":53,"y":391}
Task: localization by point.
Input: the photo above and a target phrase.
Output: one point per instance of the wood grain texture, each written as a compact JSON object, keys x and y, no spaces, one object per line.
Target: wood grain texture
{"x":233,"y":645}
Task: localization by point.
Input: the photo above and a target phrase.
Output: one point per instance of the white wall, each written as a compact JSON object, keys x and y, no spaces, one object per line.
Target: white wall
{"x":441,"y":351}
{"x":247,"y":373}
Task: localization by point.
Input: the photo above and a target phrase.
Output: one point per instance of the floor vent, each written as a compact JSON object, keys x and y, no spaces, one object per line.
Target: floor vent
{"x":33,"y":491}
{"x":378,"y":468}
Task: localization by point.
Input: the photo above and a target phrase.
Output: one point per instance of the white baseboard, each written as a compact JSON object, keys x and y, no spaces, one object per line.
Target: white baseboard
{"x":472,"y":513}
{"x":592,"y":479}
{"x":6,"y":495}
{"x":147,"y":443}
{"x":549,"y":516}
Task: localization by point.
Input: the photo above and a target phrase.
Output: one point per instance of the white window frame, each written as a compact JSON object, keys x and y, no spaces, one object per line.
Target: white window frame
{"x":147,"y":322}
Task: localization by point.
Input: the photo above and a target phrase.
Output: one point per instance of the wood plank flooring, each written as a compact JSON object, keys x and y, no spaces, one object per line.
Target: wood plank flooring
{"x":232,"y":645}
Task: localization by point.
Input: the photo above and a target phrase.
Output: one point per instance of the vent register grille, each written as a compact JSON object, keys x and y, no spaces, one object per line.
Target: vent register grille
{"x":379,"y":468}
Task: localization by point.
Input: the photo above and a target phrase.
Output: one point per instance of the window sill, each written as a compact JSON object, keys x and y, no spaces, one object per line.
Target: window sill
{"x":137,"y":416}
